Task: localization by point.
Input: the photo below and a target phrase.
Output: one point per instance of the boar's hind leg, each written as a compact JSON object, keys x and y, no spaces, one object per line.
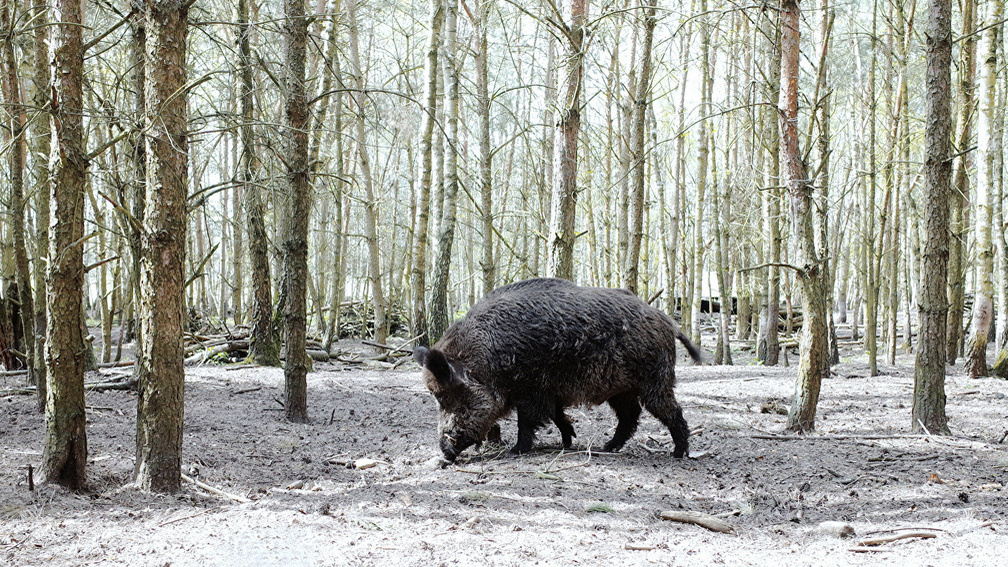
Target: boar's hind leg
{"x":565,"y":426}
{"x":628,"y":411}
{"x":667,"y":410}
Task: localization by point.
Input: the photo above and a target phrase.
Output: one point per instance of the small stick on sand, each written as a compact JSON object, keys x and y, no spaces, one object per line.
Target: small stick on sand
{"x":712,"y":523}
{"x":882,"y":540}
{"x":213,"y":490}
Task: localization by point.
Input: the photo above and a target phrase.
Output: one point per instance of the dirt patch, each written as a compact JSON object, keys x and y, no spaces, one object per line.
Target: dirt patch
{"x":308,"y":505}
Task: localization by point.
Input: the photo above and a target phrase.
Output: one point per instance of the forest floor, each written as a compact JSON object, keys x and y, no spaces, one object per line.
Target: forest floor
{"x":361,"y":484}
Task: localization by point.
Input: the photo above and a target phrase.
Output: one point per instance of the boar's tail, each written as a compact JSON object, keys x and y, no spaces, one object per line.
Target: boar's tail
{"x":691,"y":348}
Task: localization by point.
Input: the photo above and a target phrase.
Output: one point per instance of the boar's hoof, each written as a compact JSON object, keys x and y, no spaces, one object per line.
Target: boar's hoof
{"x":520,"y":448}
{"x":494,"y":435}
{"x":680,"y":451}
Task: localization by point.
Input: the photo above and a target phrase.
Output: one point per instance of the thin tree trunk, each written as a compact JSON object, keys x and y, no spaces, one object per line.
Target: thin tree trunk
{"x":370,"y":202}
{"x":959,"y":209}
{"x":418,"y":319}
{"x":39,"y":147}
{"x":929,"y":371}
{"x":989,"y":144}
{"x":160,"y":374}
{"x":565,"y":154}
{"x":64,"y":457}
{"x":439,"y":317}
{"x":768,"y":347}
{"x":297,"y":211}
{"x":18,"y":202}
{"x":264,"y":343}
{"x":487,"y":263}
{"x":814,"y":366}
{"x":638,"y":157}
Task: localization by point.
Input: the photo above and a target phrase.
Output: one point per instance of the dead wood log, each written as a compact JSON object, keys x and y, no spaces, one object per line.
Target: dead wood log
{"x":712,"y":523}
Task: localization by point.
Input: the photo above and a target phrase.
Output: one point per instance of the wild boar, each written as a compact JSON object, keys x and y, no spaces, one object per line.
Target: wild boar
{"x":542,"y":345}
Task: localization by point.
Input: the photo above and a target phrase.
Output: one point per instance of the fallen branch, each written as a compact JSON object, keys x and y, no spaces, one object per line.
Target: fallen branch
{"x":213,"y":490}
{"x":882,"y":540}
{"x":712,"y":523}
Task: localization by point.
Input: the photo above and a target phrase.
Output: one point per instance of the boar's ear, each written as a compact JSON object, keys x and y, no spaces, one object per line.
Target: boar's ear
{"x":446,"y":373}
{"x":420,"y":355}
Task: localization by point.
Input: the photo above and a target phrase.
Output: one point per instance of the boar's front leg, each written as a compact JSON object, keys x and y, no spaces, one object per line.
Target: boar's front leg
{"x":628,"y":412}
{"x":532,"y":413}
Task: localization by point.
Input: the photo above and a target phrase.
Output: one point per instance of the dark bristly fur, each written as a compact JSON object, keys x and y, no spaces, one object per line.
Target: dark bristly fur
{"x":542,"y":345}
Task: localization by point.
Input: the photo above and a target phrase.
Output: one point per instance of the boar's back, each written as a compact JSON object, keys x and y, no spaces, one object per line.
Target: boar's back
{"x":580,"y":344}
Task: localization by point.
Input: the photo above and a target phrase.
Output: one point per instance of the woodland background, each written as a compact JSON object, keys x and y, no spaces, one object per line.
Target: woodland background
{"x":376,"y":167}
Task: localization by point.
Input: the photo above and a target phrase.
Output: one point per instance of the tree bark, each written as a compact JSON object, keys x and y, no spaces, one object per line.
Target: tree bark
{"x":488,"y":265}
{"x":814,"y":365}
{"x":989,"y":144}
{"x":959,"y":206}
{"x":439,"y":316}
{"x":18,"y":203}
{"x":563,"y":203}
{"x":929,"y":370}
{"x":160,"y":373}
{"x":39,"y":147}
{"x":418,"y":276}
{"x":64,"y":457}
{"x":264,"y":344}
{"x":370,"y":202}
{"x":638,"y":155}
{"x":768,"y":346}
{"x":297,"y":212}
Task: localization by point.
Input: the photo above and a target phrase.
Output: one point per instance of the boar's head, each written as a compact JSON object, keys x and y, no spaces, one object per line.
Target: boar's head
{"x":468,"y":408}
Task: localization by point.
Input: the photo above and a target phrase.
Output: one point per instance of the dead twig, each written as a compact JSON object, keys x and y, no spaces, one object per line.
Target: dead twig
{"x":213,"y":490}
{"x":882,"y":540}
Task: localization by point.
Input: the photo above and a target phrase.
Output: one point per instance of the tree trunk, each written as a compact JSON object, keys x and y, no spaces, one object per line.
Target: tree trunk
{"x":297,"y":212}
{"x":929,"y":372}
{"x":264,"y":344}
{"x":959,"y":206}
{"x":40,"y":147}
{"x":565,"y":153}
{"x":370,"y":202}
{"x":638,"y":157}
{"x":17,"y":207}
{"x":160,"y":374}
{"x":989,"y":144}
{"x":65,"y":454}
{"x":814,"y":366}
{"x":487,"y":263}
{"x":418,"y":319}
{"x":768,"y":346}
{"x":439,"y":316}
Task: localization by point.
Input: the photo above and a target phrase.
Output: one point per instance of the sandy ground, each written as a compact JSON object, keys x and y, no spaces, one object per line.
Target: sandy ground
{"x":308,"y":504}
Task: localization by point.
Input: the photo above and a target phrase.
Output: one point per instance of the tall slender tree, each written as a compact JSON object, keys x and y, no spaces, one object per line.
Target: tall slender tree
{"x":563,"y":203}
{"x":160,"y":374}
{"x":932,"y":304}
{"x":446,"y":228}
{"x":959,"y":206}
{"x":65,"y":454}
{"x":264,"y":343}
{"x":39,"y":149}
{"x":367,"y":180}
{"x":297,"y":212}
{"x":989,"y":144}
{"x":18,"y":202}
{"x":418,"y":275}
{"x":638,"y":156}
{"x":814,"y":365}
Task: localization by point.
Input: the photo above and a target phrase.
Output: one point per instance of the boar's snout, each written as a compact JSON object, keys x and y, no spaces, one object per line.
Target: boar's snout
{"x":451,"y":446}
